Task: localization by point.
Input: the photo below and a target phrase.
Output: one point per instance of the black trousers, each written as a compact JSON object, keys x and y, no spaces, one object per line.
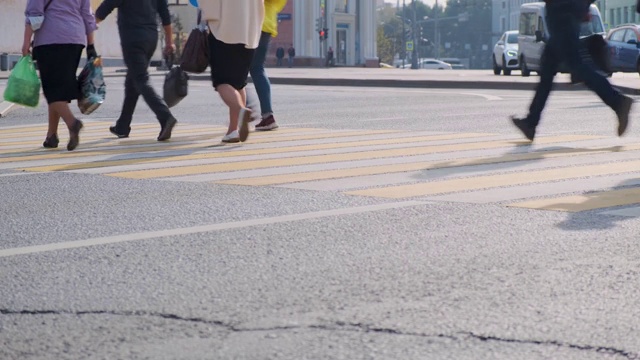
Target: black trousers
{"x":564,"y":45}
{"x":137,"y":56}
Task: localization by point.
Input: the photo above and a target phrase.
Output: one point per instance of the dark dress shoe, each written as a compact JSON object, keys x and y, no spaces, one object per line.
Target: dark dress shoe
{"x":115,"y":132}
{"x":74,"y":135}
{"x":165,"y":133}
{"x":51,"y":142}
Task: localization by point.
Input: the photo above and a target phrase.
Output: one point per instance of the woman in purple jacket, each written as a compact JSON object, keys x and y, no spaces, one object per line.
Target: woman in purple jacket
{"x":60,"y":30}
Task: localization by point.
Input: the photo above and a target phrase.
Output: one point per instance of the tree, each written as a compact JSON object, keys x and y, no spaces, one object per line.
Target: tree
{"x":386,"y":47}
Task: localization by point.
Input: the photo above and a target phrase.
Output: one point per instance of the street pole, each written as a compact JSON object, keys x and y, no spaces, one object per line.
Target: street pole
{"x":437,"y":32}
{"x":404,"y":34}
{"x":414,"y":30}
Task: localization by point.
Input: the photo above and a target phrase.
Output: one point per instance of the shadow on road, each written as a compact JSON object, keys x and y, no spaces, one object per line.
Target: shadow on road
{"x":520,"y":155}
{"x":588,"y":220}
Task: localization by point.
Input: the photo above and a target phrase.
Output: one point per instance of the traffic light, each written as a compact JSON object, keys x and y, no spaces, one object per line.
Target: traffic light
{"x":408,"y":35}
{"x":322,"y":34}
{"x":319,"y":24}
{"x":325,"y":34}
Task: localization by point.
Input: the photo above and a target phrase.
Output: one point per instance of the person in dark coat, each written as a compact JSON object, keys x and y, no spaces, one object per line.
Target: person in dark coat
{"x":279,"y":56}
{"x":563,"y":19}
{"x":138,"y":27}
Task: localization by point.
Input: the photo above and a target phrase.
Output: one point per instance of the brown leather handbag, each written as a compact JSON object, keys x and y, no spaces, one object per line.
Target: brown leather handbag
{"x":195,"y":56}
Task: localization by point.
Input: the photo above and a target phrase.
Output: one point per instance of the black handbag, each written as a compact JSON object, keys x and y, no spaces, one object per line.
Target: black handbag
{"x":195,"y":56}
{"x":176,"y":85}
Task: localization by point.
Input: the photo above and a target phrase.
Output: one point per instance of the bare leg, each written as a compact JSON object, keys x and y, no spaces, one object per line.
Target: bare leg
{"x":235,"y":101}
{"x":62,"y":109}
{"x":74,"y":125}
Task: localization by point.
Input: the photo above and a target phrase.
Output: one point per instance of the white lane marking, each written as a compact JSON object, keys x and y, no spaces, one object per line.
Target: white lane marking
{"x":394,"y":91}
{"x":17,"y":174}
{"x":385,"y":119}
{"x":206,"y":228}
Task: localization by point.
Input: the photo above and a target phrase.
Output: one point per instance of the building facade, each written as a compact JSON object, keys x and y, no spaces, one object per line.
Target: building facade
{"x":350,"y":24}
{"x":618,"y":12}
{"x":351,"y":31}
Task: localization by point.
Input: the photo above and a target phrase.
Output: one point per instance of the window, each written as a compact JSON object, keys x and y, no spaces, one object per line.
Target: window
{"x":626,"y":15}
{"x":630,"y":35}
{"x":540,"y":25}
{"x":527,"y":23}
{"x":503,"y":24}
{"x":617,"y":35}
{"x":612,"y":17}
{"x":512,"y":39}
{"x":504,"y":4}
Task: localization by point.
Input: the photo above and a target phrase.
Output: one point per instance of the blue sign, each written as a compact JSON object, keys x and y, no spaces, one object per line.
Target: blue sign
{"x":193,"y":3}
{"x":282,"y":16}
{"x":342,"y":26}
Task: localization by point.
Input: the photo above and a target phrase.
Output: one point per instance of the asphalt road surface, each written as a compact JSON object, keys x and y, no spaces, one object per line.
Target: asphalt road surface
{"x":374,"y":224}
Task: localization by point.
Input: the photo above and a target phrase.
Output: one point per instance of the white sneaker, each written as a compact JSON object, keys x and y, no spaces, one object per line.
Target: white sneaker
{"x":233,"y":137}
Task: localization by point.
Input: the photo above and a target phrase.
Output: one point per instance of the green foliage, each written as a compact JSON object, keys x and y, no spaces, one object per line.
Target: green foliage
{"x":387,"y":46}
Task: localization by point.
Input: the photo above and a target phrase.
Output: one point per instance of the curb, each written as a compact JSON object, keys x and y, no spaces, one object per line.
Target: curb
{"x":420,"y":84}
{"x":5,"y":108}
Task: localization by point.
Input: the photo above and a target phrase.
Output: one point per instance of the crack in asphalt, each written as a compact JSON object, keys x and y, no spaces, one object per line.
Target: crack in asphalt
{"x":337,"y":326}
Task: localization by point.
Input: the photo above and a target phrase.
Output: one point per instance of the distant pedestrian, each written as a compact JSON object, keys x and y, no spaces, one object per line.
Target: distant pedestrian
{"x":292,"y":54}
{"x":235,"y":35}
{"x":60,"y":30}
{"x":279,"y":56}
{"x":563,"y":19}
{"x":137,"y":24}
{"x":258,"y":72}
{"x":330,"y":57}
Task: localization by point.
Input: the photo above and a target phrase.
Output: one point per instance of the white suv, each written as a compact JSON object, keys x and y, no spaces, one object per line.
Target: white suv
{"x":505,"y":53}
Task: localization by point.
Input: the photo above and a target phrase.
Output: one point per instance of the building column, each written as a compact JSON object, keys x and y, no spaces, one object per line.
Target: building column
{"x":368,"y":33}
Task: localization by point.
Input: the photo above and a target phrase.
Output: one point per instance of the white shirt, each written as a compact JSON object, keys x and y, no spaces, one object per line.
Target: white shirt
{"x":234,"y":21}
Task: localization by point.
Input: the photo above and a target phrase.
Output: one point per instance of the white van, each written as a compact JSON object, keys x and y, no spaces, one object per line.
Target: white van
{"x":533,"y":30}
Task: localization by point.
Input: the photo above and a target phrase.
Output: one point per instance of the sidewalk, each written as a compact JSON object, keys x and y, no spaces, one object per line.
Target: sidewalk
{"x":628,"y":83}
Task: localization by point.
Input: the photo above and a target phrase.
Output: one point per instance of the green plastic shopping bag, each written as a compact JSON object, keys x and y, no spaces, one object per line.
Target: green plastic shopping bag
{"x":23,"y":86}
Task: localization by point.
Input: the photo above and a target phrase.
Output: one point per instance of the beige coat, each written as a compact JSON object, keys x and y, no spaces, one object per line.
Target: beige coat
{"x":234,"y":21}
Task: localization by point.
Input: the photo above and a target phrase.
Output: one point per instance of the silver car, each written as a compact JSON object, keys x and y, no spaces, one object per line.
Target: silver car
{"x":505,"y":53}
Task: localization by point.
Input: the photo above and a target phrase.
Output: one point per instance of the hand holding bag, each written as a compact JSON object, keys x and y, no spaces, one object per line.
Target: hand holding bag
{"x":195,"y":56}
{"x":93,"y":89}
{"x":23,"y":86}
{"x":176,"y":85}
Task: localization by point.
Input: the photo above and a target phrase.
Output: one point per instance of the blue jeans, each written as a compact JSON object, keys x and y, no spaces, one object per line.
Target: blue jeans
{"x":259,"y":75}
{"x":564,"y":45}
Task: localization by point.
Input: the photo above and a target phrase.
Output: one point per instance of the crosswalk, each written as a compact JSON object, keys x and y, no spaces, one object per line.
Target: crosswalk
{"x":567,"y":172}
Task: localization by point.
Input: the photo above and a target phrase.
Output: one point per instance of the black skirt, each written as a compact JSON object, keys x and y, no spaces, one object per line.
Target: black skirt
{"x":229,"y":63}
{"x":58,"y":66}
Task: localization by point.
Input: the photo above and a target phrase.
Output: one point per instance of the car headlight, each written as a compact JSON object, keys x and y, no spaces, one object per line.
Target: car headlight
{"x":512,"y":53}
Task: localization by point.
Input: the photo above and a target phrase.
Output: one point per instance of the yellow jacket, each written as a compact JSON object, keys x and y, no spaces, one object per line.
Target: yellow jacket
{"x":271,"y":10}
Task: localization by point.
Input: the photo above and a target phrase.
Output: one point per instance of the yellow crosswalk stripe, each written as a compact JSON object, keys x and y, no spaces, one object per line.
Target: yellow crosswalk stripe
{"x":416,"y":166}
{"x":499,"y":180}
{"x":318,"y":159}
{"x":591,"y":201}
{"x":146,"y":136}
{"x":258,"y":151}
{"x":202,"y":138}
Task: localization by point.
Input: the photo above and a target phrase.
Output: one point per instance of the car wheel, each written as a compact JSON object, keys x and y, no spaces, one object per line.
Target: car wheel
{"x":504,"y":67}
{"x":496,"y":69}
{"x":523,"y":67}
